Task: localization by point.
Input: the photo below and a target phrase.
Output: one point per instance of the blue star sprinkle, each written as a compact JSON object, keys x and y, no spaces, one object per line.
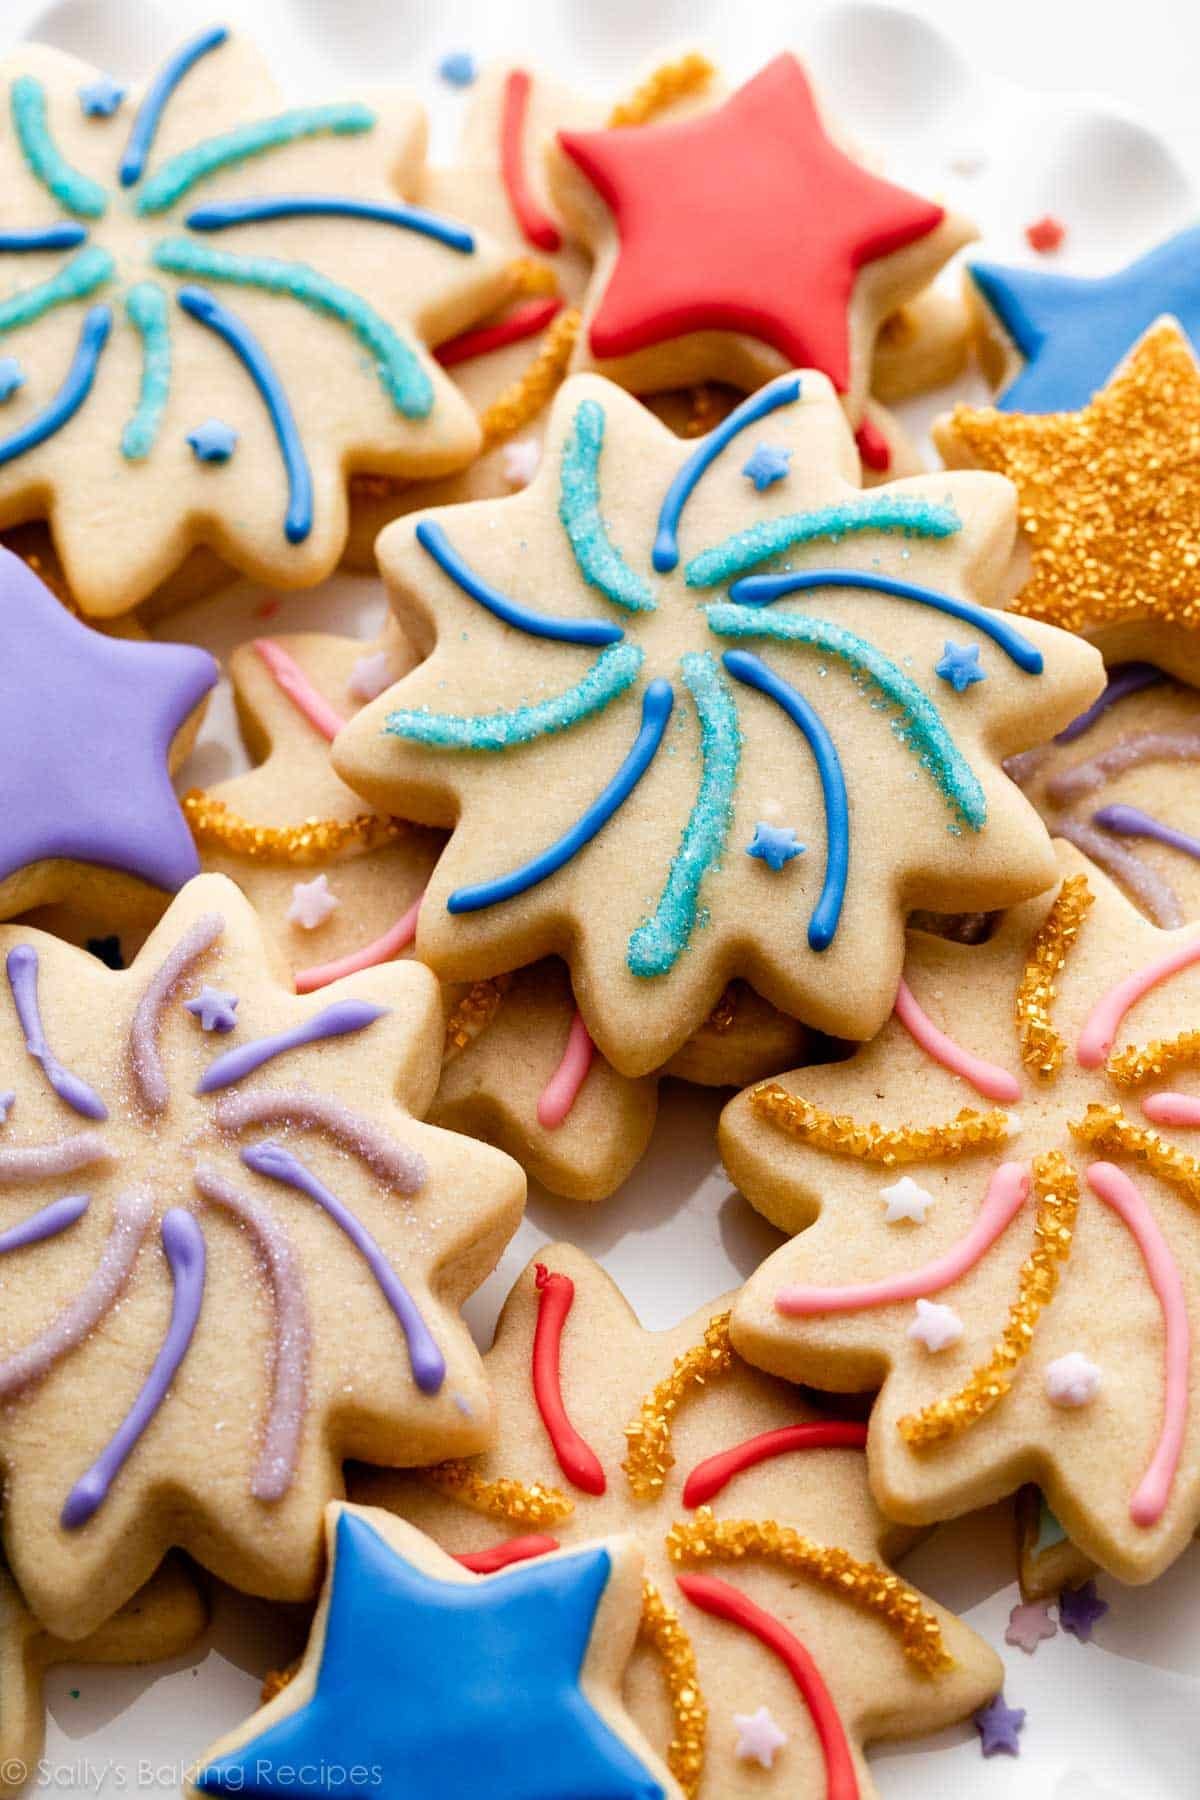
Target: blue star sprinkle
{"x":775,"y":845}
{"x":12,"y":377}
{"x":213,"y":442}
{"x":1073,"y":332}
{"x":100,"y":99}
{"x":959,"y":666}
{"x":999,"y":1726}
{"x":459,"y":68}
{"x":435,"y":1685}
{"x":766,"y":466}
{"x":216,"y":1011}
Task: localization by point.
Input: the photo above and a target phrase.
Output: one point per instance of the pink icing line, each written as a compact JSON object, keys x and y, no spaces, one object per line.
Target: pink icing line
{"x":150,"y":1078}
{"x":382,"y":950}
{"x":986,"y":1078}
{"x":562,"y":1090}
{"x":292,"y":680}
{"x":1172,"y":1109}
{"x":1104,"y":1020}
{"x":1005,"y":1196}
{"x":1116,"y":1190}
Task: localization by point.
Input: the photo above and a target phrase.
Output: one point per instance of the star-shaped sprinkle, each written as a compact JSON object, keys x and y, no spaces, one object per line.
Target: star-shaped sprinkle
{"x":99,"y":99}
{"x":1045,"y":234}
{"x":12,"y":377}
{"x":767,"y":465}
{"x":371,"y":676}
{"x":519,"y":461}
{"x":959,"y":665}
{"x":106,"y":950}
{"x":459,"y":68}
{"x":6,"y":1103}
{"x":1028,"y":1625}
{"x":1072,"y":1380}
{"x":759,"y":1737}
{"x":775,"y":845}
{"x":999,"y":1727}
{"x":312,"y":903}
{"x":936,"y":1326}
{"x":216,"y":1010}
{"x":1080,"y":1611}
{"x":906,"y":1199}
{"x":213,"y":442}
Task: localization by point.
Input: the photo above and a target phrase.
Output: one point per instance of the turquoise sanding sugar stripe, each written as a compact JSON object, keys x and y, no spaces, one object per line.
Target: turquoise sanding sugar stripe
{"x":74,"y":281}
{"x":656,"y":946}
{"x":616,"y":669}
{"x":1049,"y":1531}
{"x":71,"y":395}
{"x":154,"y":102}
{"x":900,"y":513}
{"x":600,"y":562}
{"x":74,"y":191}
{"x":146,"y":310}
{"x":923,"y":730}
{"x":400,"y":373}
{"x":178,"y":176}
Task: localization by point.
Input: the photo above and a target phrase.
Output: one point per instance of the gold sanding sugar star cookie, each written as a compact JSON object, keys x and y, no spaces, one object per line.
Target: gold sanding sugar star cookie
{"x":767,"y":1579}
{"x":688,"y":725}
{"x":212,"y":306}
{"x":233,"y":1256}
{"x":1035,"y":1322}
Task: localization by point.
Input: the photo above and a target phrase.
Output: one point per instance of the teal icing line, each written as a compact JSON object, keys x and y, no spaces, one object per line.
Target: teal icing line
{"x":656,"y":945}
{"x":400,"y":373}
{"x":873,"y":512}
{"x":178,"y":176}
{"x":146,"y":310}
{"x":923,"y":730}
{"x":75,"y":192}
{"x":600,"y":562}
{"x":616,"y":669}
{"x":88,"y":270}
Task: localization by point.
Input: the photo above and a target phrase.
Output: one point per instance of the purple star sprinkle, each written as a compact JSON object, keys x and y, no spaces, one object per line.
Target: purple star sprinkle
{"x":1080,"y":1611}
{"x":999,"y":1726}
{"x":216,"y":1011}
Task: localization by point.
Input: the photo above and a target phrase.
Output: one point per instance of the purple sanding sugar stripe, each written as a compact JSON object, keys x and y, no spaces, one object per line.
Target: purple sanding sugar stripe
{"x":22,"y":966}
{"x":1124,"y":679}
{"x":404,"y":1170}
{"x":82,"y":1315}
{"x":183,"y":1242}
{"x":1132,"y":752}
{"x":46,"y":1223}
{"x":292,"y":1339}
{"x":1022,"y":767}
{"x":1157,"y":899}
{"x":41,"y":1162}
{"x":1131,"y":821}
{"x":428,"y":1364}
{"x":335,"y":1021}
{"x":149,"y":1076}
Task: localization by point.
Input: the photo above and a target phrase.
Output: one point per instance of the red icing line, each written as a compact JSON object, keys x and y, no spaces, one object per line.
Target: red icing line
{"x":577,"y":1460}
{"x":1046,"y":233}
{"x":722,"y":1601}
{"x":524,"y":321}
{"x":291,"y":680}
{"x":562,"y":1090}
{"x":715,"y":1473}
{"x":382,"y":950}
{"x":536,"y":227}
{"x":502,"y":1556}
{"x":873,"y":447}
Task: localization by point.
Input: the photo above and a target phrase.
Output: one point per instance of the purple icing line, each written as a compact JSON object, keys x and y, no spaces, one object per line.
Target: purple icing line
{"x":1131,"y":821}
{"x":1157,"y":899}
{"x":428,"y":1364}
{"x":292,"y":1339}
{"x":183,"y":1242}
{"x":1124,"y":679}
{"x":149,"y":1076}
{"x":38,"y":1162}
{"x":404,"y":1170}
{"x":45,"y":1224}
{"x":22,"y":969}
{"x":79,"y":1318}
{"x":335,"y":1021}
{"x":1131,"y":752}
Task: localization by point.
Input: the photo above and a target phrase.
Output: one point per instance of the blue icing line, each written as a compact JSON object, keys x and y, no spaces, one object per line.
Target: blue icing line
{"x":299,"y":206}
{"x":86,"y":272}
{"x":656,"y":945}
{"x":761,"y":590}
{"x":182,"y":173}
{"x":146,"y":310}
{"x":208,"y":310}
{"x":71,"y":395}
{"x":154,"y":101}
{"x":873,"y":512}
{"x":768,"y":400}
{"x":823,"y":924}
{"x":49,"y":237}
{"x":435,"y":543}
{"x":74,"y":191}
{"x":600,"y":562}
{"x":657,"y":702}
{"x":924,"y":732}
{"x":614,"y":670}
{"x":400,"y":373}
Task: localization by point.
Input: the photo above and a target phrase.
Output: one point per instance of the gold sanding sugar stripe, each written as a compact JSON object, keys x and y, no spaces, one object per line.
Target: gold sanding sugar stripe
{"x":1041,"y":1046}
{"x":1057,"y":1189}
{"x":673,"y":81}
{"x":841,"y":1135}
{"x":515,"y":1502}
{"x":523,"y":399}
{"x":704,"y":413}
{"x":706,"y":1539}
{"x":1108,"y":1130}
{"x":473,"y":1014}
{"x":1131,"y":1066}
{"x":531,"y":279}
{"x":649,"y":1437}
{"x":275,"y":1680}
{"x":661,"y":1628}
{"x":721,"y":1018}
{"x":215,"y":826}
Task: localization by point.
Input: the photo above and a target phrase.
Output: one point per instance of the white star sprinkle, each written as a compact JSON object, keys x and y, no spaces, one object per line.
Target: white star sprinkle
{"x":906,"y":1199}
{"x":312,"y":903}
{"x":1072,"y":1380}
{"x":759,"y":1737}
{"x":520,"y":461}
{"x":371,"y":676}
{"x":935,"y":1326}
